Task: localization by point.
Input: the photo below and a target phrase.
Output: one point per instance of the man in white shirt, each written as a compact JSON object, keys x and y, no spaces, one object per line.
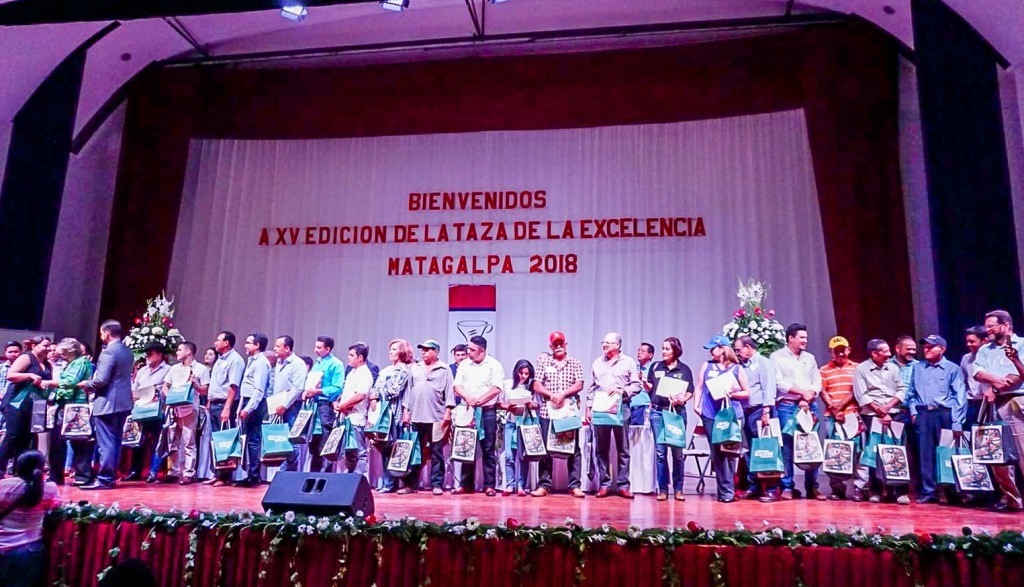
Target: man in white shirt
{"x":187,"y":371}
{"x":289,"y":379}
{"x":797,"y":384}
{"x":354,"y":404}
{"x":479,"y":381}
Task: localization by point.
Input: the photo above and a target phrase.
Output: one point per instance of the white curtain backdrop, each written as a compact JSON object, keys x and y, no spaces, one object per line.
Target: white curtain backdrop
{"x":750,"y":178}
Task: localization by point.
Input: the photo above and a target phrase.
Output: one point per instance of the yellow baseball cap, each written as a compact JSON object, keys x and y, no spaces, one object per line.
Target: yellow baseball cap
{"x":836,"y":341}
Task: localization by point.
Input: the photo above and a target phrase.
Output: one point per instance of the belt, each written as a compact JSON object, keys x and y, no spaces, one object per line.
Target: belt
{"x":934,"y":408}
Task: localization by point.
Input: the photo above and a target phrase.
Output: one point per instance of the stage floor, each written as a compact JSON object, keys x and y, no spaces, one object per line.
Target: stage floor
{"x":644,"y":511}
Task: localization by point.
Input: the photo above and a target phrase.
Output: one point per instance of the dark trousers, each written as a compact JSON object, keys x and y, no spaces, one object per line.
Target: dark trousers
{"x":216,"y":407}
{"x":58,"y":454}
{"x":145,"y":453}
{"x":109,"y":429}
{"x":787,"y":411}
{"x":602,"y":446}
{"x":929,"y":427}
{"x":252,"y":428}
{"x":574,"y":462}
{"x":19,"y":437}
{"x":426,"y":433}
{"x":324,"y":411}
{"x":489,"y":421}
{"x":751,"y":430}
{"x":292,"y":462}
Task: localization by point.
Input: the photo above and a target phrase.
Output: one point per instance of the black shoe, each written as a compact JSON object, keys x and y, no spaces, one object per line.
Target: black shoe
{"x":97,"y":485}
{"x":133,"y":476}
{"x":248,"y":483}
{"x":927,"y":499}
{"x":151,"y":478}
{"x":169,"y":479}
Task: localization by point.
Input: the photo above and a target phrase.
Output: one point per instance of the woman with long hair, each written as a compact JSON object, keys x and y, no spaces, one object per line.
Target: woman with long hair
{"x":515,"y":474}
{"x":24,"y":501}
{"x":66,"y":391}
{"x":669,"y":367}
{"x":390,"y":388}
{"x":24,"y":376}
{"x":723,"y":363}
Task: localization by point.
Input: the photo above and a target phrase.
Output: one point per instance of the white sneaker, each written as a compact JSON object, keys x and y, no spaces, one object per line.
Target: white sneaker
{"x":903,"y":500}
{"x":875,"y":499}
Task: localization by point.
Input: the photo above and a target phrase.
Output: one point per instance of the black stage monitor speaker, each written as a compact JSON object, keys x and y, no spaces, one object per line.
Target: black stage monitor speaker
{"x":321,"y":494}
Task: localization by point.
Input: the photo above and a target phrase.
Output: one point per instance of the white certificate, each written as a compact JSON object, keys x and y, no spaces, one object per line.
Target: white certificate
{"x":805,"y":420}
{"x":518,"y":396}
{"x":671,"y":387}
{"x":144,"y":395}
{"x":278,"y":400}
{"x":373,"y":414}
{"x":606,"y":402}
{"x":897,"y":429}
{"x":721,"y":386}
{"x":851,"y":425}
{"x":567,"y":410}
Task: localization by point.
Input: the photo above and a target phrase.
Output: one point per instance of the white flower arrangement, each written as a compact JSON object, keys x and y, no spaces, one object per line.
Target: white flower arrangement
{"x":154,"y":325}
{"x":754,"y":320}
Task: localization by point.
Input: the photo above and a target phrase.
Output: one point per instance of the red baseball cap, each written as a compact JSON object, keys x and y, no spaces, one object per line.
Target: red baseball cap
{"x":556,"y":335}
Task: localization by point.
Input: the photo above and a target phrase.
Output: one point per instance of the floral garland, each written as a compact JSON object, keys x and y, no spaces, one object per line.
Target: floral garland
{"x":409,"y":530}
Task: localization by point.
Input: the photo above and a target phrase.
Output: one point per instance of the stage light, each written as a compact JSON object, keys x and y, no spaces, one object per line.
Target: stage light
{"x":497,"y":1}
{"x":295,"y":12}
{"x":395,"y":5}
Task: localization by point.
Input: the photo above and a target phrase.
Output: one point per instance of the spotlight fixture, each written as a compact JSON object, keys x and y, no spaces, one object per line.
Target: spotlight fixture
{"x":497,"y":1}
{"x":295,"y":12}
{"x":394,"y":5}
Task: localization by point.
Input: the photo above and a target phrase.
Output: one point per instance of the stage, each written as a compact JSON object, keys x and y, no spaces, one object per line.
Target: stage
{"x":418,"y":540}
{"x":644,"y":511}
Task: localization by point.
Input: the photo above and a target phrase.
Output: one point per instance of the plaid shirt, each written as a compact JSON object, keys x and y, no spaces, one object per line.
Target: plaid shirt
{"x":3,"y":377}
{"x":556,"y":378}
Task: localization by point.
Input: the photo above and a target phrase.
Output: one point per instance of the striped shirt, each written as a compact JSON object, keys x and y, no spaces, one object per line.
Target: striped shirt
{"x":837,"y":386}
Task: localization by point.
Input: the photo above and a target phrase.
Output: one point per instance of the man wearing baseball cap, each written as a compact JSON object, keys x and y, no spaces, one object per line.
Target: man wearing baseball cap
{"x":428,"y":400}
{"x":558,"y":381}
{"x":937,"y":399}
{"x":837,"y":394}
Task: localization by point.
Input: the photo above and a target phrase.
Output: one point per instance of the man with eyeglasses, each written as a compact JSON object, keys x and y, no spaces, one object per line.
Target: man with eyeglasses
{"x":616,"y":378}
{"x":997,"y":365}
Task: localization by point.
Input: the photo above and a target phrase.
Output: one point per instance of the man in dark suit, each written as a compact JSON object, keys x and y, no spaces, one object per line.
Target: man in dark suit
{"x":112,"y":384}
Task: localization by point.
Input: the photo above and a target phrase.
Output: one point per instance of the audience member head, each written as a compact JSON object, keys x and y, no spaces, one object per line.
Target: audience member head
{"x":999,"y":325}
{"x":324,"y":346}
{"x":644,"y":353}
{"x":40,"y":347}
{"x":745,"y":347}
{"x":12,"y":349}
{"x":283,"y":346}
{"x":476,"y":350}
{"x":110,"y":330}
{"x":671,"y":350}
{"x":523,"y":374}
{"x":558,"y":345}
{"x":974,"y":337}
{"x":400,"y":351}
{"x":357,"y":354}
{"x":224,"y":342}
{"x":308,"y":360}
{"x":878,"y":350}
{"x":70,"y":349}
{"x":934,"y":348}
{"x":154,"y":353}
{"x":209,"y":357}
{"x":459,"y":353}
{"x":796,"y":337}
{"x":255,"y":343}
{"x":611,"y":344}
{"x":186,"y":351}
{"x":840,"y":349}
{"x":29,"y":468}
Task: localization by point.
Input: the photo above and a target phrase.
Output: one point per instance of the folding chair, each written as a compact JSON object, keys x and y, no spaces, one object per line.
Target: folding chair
{"x":691,"y":450}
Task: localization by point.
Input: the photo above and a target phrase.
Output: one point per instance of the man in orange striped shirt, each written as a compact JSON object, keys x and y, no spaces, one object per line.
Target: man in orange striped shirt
{"x":837,"y":394}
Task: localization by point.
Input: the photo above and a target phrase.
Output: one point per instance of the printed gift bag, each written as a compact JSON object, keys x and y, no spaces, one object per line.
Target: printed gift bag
{"x":337,"y":441}
{"x":404,"y":451}
{"x":38,"y":422}
{"x":727,"y":431}
{"x":992,"y":439}
{"x":893,"y":466}
{"x":766,"y":455}
{"x":879,"y":435}
{"x":970,"y":475}
{"x":561,"y":444}
{"x":276,"y":448}
{"x":673,"y":429}
{"x":147,"y":412}
{"x":464,"y":441}
{"x":381,"y":430}
{"x":131,"y":436}
{"x":531,"y":440}
{"x":944,"y":474}
{"x":227,"y":448}
{"x":77,"y":421}
{"x":302,"y":427}
{"x":182,"y":395}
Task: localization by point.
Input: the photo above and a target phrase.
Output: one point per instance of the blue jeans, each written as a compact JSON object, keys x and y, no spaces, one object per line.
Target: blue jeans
{"x":22,"y":566}
{"x":724,"y":465}
{"x":661,"y":453}
{"x":252,"y":428}
{"x":787,"y":412}
{"x":513,"y":481}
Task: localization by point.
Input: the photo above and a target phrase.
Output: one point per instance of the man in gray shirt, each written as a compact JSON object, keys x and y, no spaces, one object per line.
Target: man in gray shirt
{"x":289,"y":379}
{"x":429,"y":400}
{"x":881,"y":392}
{"x":225,"y":378}
{"x":252,"y":408}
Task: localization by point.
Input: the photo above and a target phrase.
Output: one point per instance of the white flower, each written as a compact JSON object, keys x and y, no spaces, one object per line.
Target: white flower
{"x":472,"y":524}
{"x":174,"y":332}
{"x":336,"y":527}
{"x":158,"y":330}
{"x":323,"y":524}
{"x":360,"y":514}
{"x":491,"y":534}
{"x":831,"y":529}
{"x":543,"y":526}
{"x":711,"y":534}
{"x":606,"y":528}
{"x":289,"y":517}
{"x":740,"y":526}
{"x":761,"y":537}
{"x":633,"y":531}
{"x":145,"y":330}
{"x":569,"y":521}
{"x":312,"y":520}
{"x":458,"y":530}
{"x":777,"y":532}
{"x":1007,"y":548}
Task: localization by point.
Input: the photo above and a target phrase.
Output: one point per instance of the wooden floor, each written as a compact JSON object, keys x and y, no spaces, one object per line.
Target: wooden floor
{"x":644,"y":511}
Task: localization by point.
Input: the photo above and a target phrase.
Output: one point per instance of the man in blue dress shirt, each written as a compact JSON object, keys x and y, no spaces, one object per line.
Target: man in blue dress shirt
{"x":937,"y":400}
